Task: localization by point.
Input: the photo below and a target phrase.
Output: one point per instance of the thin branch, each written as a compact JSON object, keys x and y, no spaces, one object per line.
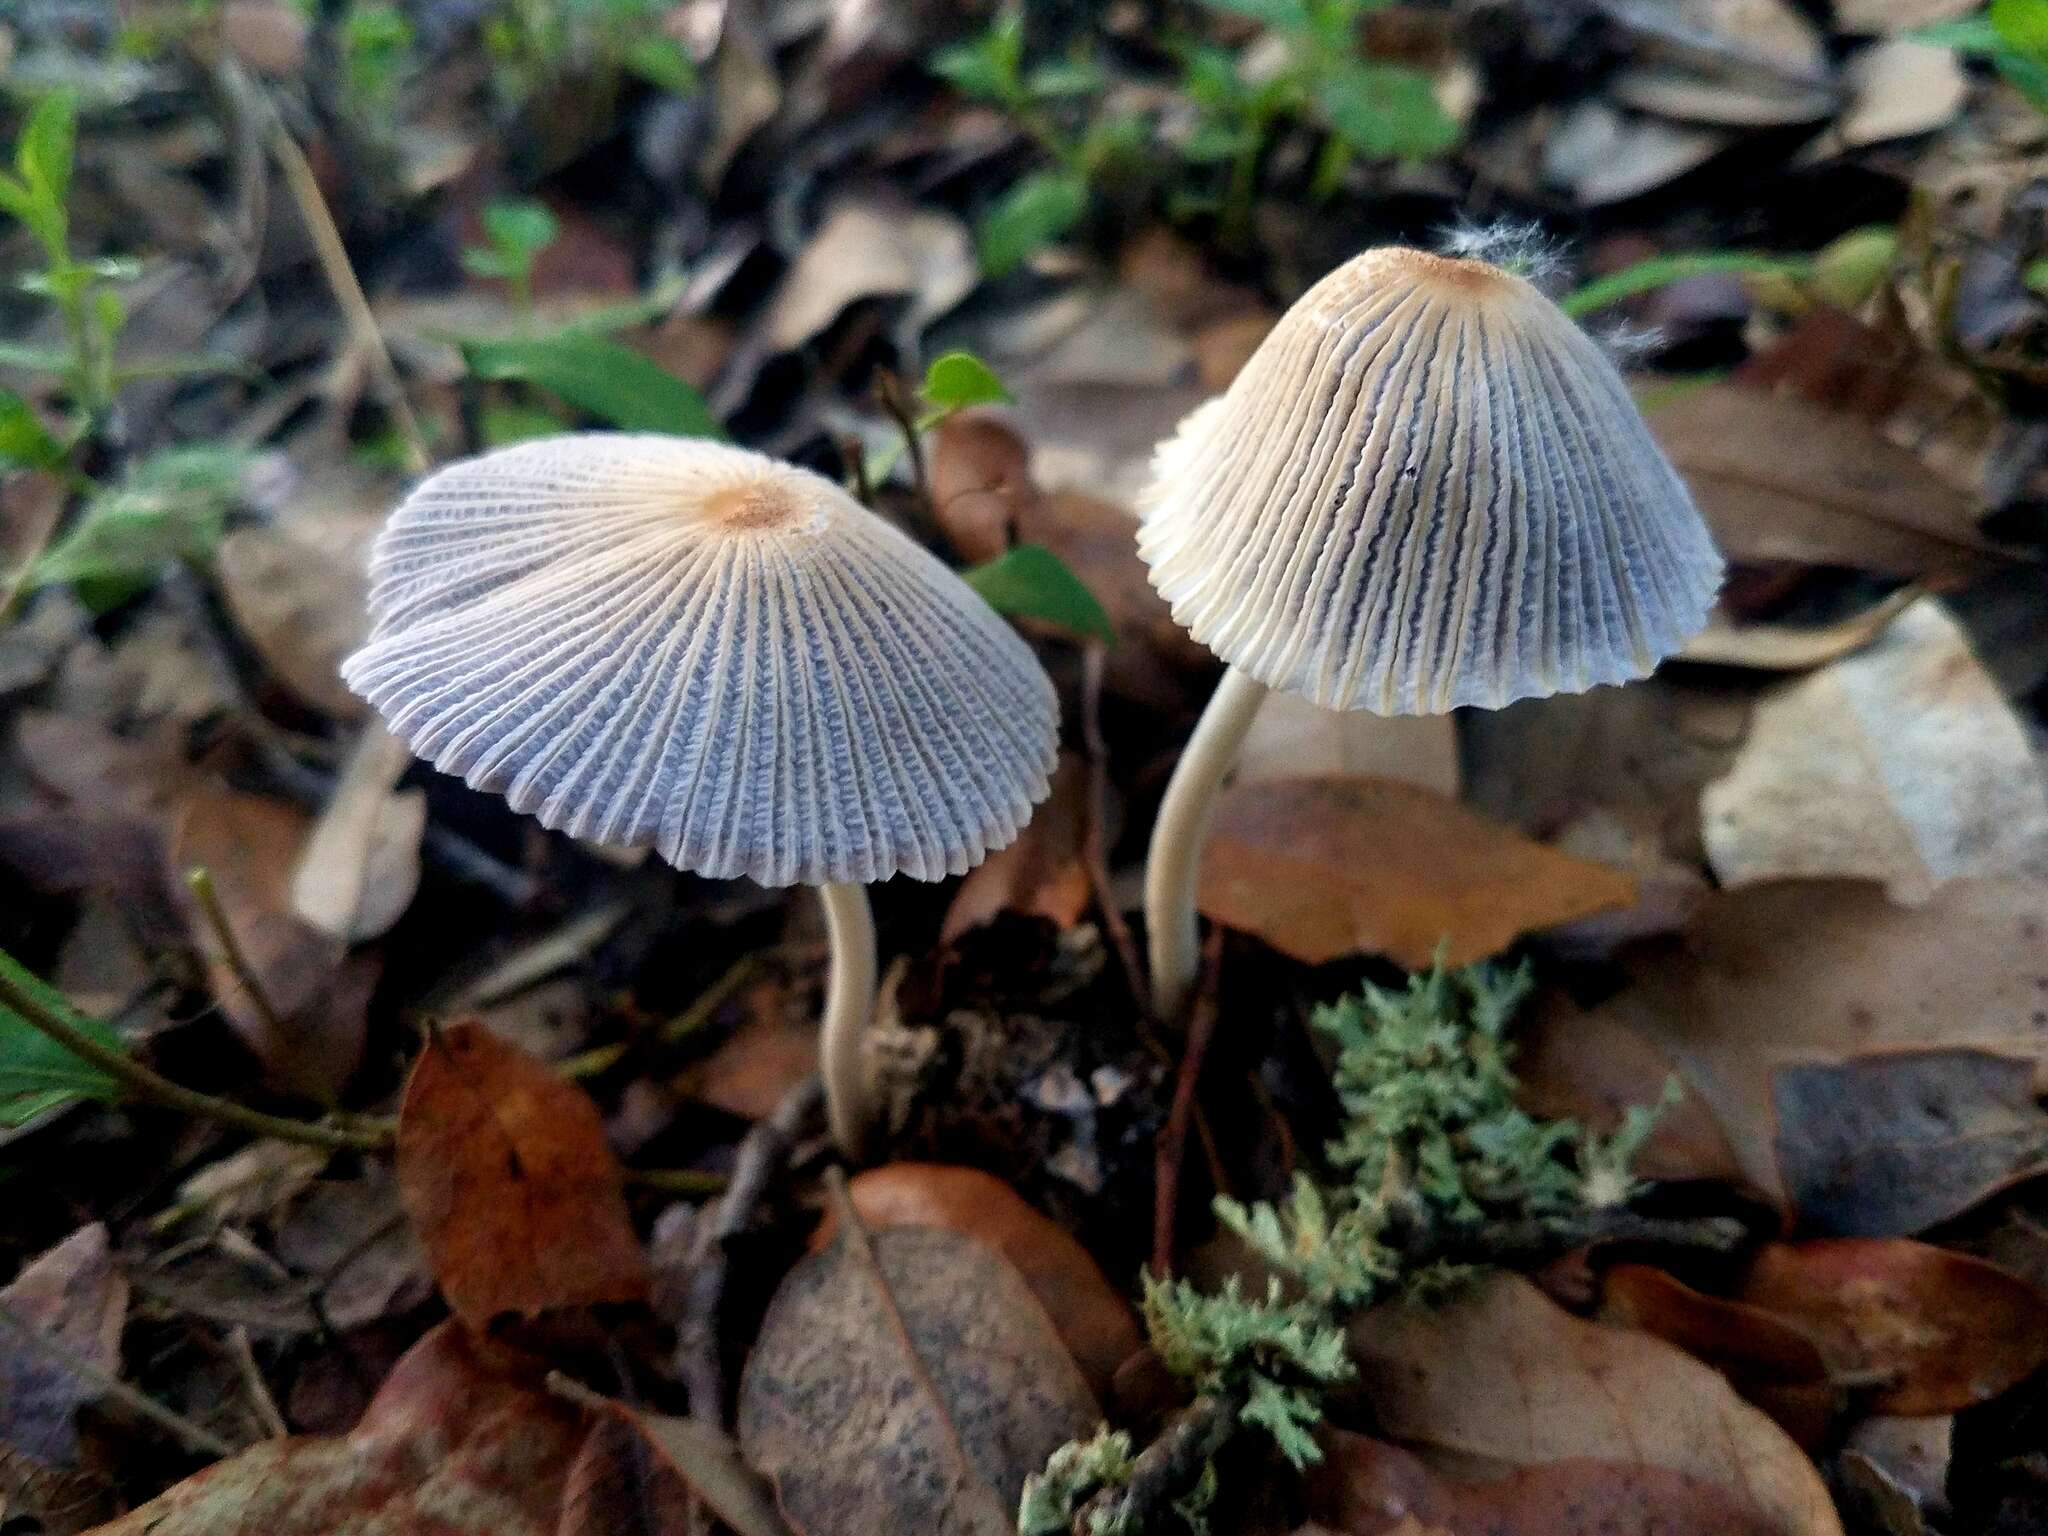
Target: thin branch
{"x":342,"y":279}
{"x":678,"y":1029}
{"x":199,"y":881}
{"x":355,"y":1134}
{"x":1164,"y":1470}
{"x":252,"y":1377}
{"x":196,"y":1436}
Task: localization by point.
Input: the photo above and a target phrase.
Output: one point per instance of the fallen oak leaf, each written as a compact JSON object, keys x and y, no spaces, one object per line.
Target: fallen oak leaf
{"x":506,"y":1176}
{"x":1502,"y":1372}
{"x":1093,"y":1318}
{"x":907,"y":1380}
{"x":1940,"y":1331}
{"x":458,"y":1441}
{"x":1324,"y":867}
{"x":1366,"y":1487}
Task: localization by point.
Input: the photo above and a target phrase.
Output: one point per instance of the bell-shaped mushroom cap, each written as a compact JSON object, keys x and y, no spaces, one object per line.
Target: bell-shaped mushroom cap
{"x":1427,"y":488}
{"x":659,"y":641}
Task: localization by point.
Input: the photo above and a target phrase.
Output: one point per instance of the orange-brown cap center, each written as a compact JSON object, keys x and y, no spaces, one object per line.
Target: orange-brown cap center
{"x":755,"y":506}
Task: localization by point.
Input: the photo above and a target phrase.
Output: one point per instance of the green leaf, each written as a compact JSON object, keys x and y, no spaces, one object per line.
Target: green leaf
{"x":36,"y":359}
{"x":36,"y":1073}
{"x":1386,"y":110}
{"x":504,"y":424}
{"x":663,"y":63}
{"x":957,"y":379}
{"x":172,"y":507}
{"x":1032,"y":582}
{"x":603,"y":377}
{"x":1972,"y":35}
{"x":2021,"y":25}
{"x":988,"y":67}
{"x":1064,"y":77}
{"x":24,"y":440}
{"x":1039,"y":209}
{"x":1657,"y":271}
{"x":520,"y":227}
{"x":43,"y":153}
{"x":1291,"y":15}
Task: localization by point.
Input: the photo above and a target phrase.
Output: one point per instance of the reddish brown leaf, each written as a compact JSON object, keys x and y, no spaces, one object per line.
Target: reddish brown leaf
{"x":980,"y":477}
{"x":506,"y":1176}
{"x":908,"y":1381}
{"x":1941,"y":1330}
{"x":457,"y":1442}
{"x":1092,"y":1316}
{"x":1326,"y":867}
{"x":1770,"y":1362}
{"x":1366,"y":1487}
{"x":1042,"y":873}
{"x":772,"y":1049}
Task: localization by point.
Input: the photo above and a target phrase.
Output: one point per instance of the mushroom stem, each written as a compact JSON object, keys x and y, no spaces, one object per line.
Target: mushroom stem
{"x":849,"y":999}
{"x":1175,"y":860}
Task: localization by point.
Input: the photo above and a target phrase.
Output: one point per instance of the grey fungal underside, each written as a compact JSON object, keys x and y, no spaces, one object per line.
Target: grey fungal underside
{"x":809,"y":704}
{"x":1424,"y":492}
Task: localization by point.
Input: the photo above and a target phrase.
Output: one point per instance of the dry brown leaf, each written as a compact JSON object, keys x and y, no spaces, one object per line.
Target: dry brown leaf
{"x":75,"y":1300}
{"x":1778,"y":973}
{"x":1900,"y":88}
{"x":361,"y":864}
{"x":907,"y":1380}
{"x":870,"y":248}
{"x":1504,"y":1373}
{"x":318,"y":993}
{"x":301,"y":608}
{"x":1903,"y":763}
{"x":1321,"y":868}
{"x":1891,"y":1142}
{"x":1366,"y":1487}
{"x":1780,"y":479}
{"x":1042,"y":873}
{"x":1092,"y":1316}
{"x":1769,"y":1361}
{"x":1292,"y":736}
{"x":637,"y":1472}
{"x":980,"y":482}
{"x":1938,"y":1331}
{"x":508,"y":1180}
{"x":772,"y":1049}
{"x":455,"y":1443}
{"x":1603,"y":156}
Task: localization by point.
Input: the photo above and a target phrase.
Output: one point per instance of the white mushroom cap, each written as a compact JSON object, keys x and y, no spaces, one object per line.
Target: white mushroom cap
{"x":660,"y":641}
{"x":1427,"y":488}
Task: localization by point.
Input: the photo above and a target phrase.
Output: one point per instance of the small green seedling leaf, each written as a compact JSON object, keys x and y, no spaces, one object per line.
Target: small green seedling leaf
{"x":988,"y":67}
{"x":1386,"y":111}
{"x":24,"y":440}
{"x":663,"y":63}
{"x":36,"y":1073}
{"x":1657,"y":271}
{"x":44,"y":152}
{"x":959,"y":379}
{"x":172,"y":507}
{"x":1064,"y":77}
{"x":605,"y":378}
{"x":1032,"y":582}
{"x":503,"y":424}
{"x":1289,"y":15}
{"x":1035,"y":212}
{"x":520,"y":225}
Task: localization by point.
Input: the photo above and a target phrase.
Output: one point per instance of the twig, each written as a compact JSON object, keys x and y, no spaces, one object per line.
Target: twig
{"x":673,"y":1031}
{"x":199,"y":881}
{"x":196,"y":1436}
{"x":1521,"y":1244}
{"x":890,"y":392}
{"x":1172,"y":1144}
{"x":347,"y":288}
{"x":1094,"y":660}
{"x":252,"y":1377}
{"x":1163,"y":1471}
{"x":353,"y":1134}
{"x":678,"y":1181}
{"x":762,"y":1153}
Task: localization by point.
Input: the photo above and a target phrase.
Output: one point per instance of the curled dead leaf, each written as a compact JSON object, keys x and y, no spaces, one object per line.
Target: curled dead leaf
{"x":980,"y":480}
{"x":1326,"y":867}
{"x":1043,"y":872}
{"x":1092,"y":1316}
{"x":506,"y":1176}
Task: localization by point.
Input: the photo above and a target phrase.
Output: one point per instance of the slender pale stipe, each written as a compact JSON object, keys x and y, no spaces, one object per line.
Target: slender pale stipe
{"x":1426,"y":489}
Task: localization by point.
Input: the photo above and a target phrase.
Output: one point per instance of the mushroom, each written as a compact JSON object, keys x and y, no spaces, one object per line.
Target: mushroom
{"x":672,"y":643}
{"x":1427,"y":488}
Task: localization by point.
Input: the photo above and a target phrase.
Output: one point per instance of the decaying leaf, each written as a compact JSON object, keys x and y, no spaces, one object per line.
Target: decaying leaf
{"x":980,"y":473}
{"x":1793,"y":648}
{"x":1366,"y":1487}
{"x":1796,"y":970}
{"x":1935,"y":1331}
{"x":1325,"y":867}
{"x":1903,"y":763}
{"x":74,"y":1301}
{"x":310,"y":1036}
{"x":1042,"y":873}
{"x":1772,"y":1363}
{"x":1293,"y":736}
{"x":907,"y":1380}
{"x":1891,"y":1142}
{"x":1780,"y":479}
{"x":361,"y":862}
{"x":869,"y":249}
{"x":1504,"y":1373}
{"x":302,"y":607}
{"x":506,"y":1176}
{"x":1093,"y":1318}
{"x":636,"y":1473}
{"x":457,"y":1442}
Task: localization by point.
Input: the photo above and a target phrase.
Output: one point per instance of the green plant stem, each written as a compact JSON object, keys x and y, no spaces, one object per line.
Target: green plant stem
{"x":1659,"y":271}
{"x":199,"y":881}
{"x":349,"y":1134}
{"x":673,"y":1031}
